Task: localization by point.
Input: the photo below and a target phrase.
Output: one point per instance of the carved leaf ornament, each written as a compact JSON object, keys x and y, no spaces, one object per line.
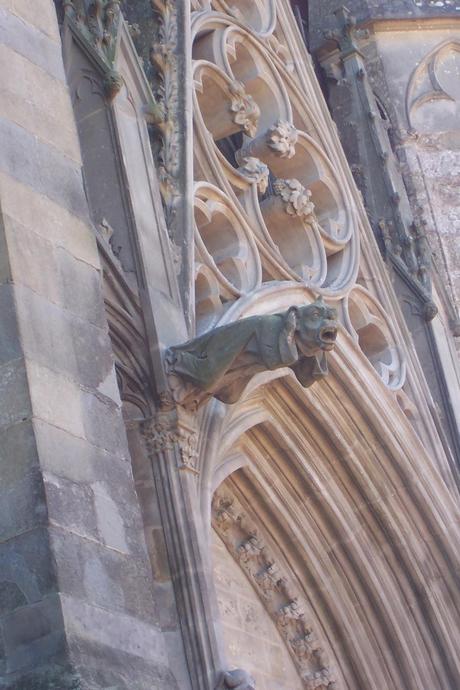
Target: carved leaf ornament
{"x":97,"y":22}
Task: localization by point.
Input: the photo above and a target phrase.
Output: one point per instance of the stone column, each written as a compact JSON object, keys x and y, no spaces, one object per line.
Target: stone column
{"x":76,"y":606}
{"x":172,"y":444}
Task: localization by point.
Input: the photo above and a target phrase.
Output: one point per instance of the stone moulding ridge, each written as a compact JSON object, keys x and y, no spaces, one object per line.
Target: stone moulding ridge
{"x":279,"y":596}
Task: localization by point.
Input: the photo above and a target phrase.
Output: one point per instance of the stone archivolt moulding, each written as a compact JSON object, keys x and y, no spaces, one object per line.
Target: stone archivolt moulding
{"x":278,"y":594}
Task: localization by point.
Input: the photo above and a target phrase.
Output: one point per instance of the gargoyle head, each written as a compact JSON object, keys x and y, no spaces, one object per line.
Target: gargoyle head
{"x":316,"y":328}
{"x":237,"y":680}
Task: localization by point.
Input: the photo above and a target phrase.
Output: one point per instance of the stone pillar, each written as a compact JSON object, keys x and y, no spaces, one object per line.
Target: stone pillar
{"x":172,"y":444}
{"x":76,"y":606}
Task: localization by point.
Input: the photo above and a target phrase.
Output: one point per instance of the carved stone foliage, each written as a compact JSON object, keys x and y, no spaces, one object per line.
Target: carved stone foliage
{"x":278,"y":593}
{"x":296,"y":198}
{"x":255,"y":142}
{"x":173,"y":431}
{"x":282,"y":138}
{"x":97,"y":23}
{"x":221,"y":362}
{"x":253,"y":169}
{"x":245,"y":110}
{"x":164,"y":60}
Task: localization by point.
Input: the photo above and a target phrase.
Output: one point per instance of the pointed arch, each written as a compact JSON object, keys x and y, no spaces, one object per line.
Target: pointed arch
{"x":348,"y":499}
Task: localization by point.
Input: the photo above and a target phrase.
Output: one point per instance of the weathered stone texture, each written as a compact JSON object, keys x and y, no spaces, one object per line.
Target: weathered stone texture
{"x":40,"y":15}
{"x":75,"y":576}
{"x":250,"y":636}
{"x":25,"y":95}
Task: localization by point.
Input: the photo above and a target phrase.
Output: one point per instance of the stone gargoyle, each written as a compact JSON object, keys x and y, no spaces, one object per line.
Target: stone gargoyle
{"x":221,"y":363}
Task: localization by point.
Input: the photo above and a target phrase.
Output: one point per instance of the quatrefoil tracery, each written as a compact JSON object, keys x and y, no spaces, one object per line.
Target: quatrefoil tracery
{"x":275,"y":206}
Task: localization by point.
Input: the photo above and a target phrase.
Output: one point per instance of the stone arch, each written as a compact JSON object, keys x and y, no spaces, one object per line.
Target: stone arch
{"x":334,"y":486}
{"x":434,"y":80}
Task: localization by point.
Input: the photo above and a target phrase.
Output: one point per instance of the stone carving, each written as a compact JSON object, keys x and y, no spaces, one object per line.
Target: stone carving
{"x":249,"y":549}
{"x":279,"y":596}
{"x":347,"y":35}
{"x":245,"y":110}
{"x":168,"y":431}
{"x":423,"y":253}
{"x":296,"y":198}
{"x":319,"y":680}
{"x":97,"y":24}
{"x":164,"y":61}
{"x":257,"y":171}
{"x":221,"y":362}
{"x":282,"y":138}
{"x":411,"y":250}
{"x":237,"y":680}
{"x":126,"y":326}
{"x":269,"y":580}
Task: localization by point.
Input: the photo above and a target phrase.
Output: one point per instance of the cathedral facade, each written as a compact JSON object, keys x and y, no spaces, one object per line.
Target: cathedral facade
{"x":229,"y":385}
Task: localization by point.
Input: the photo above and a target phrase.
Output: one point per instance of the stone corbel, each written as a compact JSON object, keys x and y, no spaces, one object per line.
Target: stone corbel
{"x":221,"y":363}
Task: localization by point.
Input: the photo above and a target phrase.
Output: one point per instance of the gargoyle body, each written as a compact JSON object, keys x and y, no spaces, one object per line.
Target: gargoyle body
{"x":220,"y":363}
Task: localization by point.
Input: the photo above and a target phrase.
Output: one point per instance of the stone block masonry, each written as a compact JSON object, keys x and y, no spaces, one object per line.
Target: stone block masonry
{"x":76,"y":603}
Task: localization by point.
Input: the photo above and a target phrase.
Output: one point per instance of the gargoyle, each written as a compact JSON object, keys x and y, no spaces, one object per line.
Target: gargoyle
{"x":220,"y":363}
{"x":236,"y":680}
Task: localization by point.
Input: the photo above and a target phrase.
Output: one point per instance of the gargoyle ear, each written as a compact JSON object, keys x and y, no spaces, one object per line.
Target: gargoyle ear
{"x":286,"y":342}
{"x":292,"y":316}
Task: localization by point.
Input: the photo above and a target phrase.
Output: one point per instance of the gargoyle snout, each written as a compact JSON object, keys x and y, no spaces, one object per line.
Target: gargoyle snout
{"x":328,"y":335}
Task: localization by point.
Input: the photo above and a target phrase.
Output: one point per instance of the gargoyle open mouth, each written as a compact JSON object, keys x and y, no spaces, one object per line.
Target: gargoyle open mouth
{"x":328,"y":336}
